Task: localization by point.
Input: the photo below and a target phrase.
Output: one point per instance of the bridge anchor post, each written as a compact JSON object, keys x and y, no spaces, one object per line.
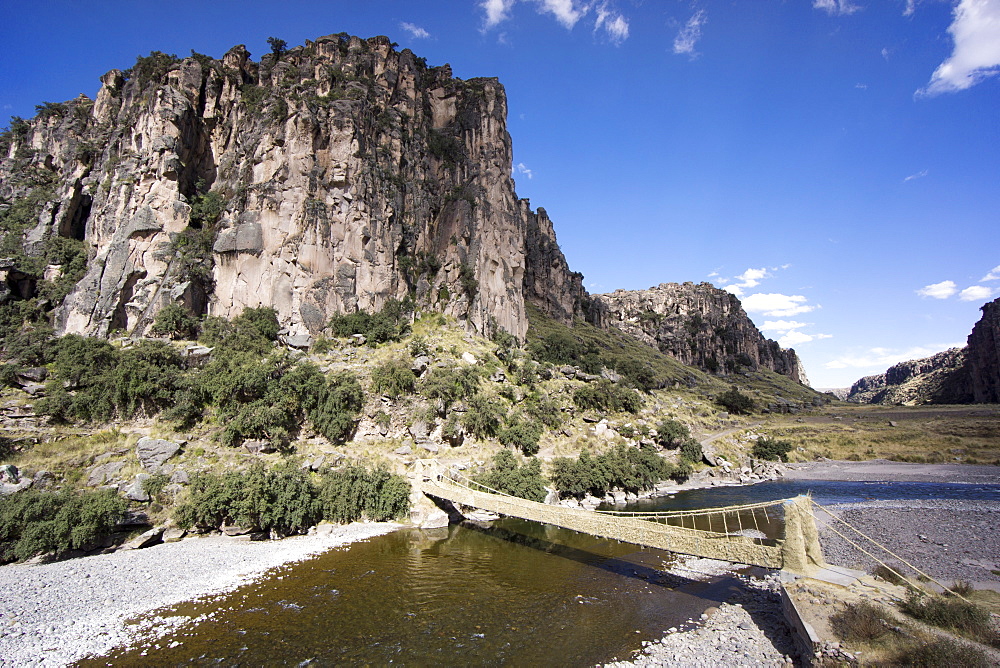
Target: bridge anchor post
{"x":801,"y":552}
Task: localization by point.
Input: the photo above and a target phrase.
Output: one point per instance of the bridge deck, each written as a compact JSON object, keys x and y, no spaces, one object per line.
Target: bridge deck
{"x":710,"y":544}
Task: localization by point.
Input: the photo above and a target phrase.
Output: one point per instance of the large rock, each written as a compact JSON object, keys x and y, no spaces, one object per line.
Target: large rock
{"x":153,"y":452}
{"x":104,"y":473}
{"x":135,"y":491}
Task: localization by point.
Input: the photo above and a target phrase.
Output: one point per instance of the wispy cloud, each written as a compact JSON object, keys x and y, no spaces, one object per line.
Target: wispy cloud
{"x":497,"y":11}
{"x":782,"y":326}
{"x":776,"y":304}
{"x":415,"y":30}
{"x":836,"y":7}
{"x":689,"y":34}
{"x":919,"y":175}
{"x":523,"y":169}
{"x":796,"y":337}
{"x":911,"y":6}
{"x":975,"y":30}
{"x":993,"y":275}
{"x":883,"y":358}
{"x":941,"y":290}
{"x":976,"y":293}
{"x":886,"y":53}
{"x":566,"y":12}
{"x":614,"y":24}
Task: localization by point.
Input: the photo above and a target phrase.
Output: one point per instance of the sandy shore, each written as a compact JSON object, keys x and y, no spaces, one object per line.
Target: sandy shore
{"x":54,"y":614}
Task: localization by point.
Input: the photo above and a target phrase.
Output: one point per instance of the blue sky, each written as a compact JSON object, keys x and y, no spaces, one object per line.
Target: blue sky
{"x":835,"y":163}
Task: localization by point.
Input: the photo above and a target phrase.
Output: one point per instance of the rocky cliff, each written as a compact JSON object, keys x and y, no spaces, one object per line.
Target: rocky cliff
{"x":698,"y":324}
{"x":329,"y":177}
{"x":956,"y":376}
{"x":928,"y":380}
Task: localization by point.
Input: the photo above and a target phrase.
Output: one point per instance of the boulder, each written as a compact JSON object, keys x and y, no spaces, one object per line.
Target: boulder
{"x":8,"y":473}
{"x":103,"y":473}
{"x":179,"y":477}
{"x":428,"y":446}
{"x":7,"y":488}
{"x":152,"y":452}
{"x":420,"y":364}
{"x":298,"y":341}
{"x":173,"y":534}
{"x":233,"y":530}
{"x":147,"y":539}
{"x":44,"y":479}
{"x":33,"y":375}
{"x":135,"y":491}
{"x":469,"y":358}
{"x":418,"y":429}
{"x":403,"y":450}
{"x":259,"y":447}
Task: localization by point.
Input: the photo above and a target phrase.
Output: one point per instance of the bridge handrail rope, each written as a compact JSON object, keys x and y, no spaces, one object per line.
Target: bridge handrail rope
{"x":884,"y":548}
{"x":453,"y":476}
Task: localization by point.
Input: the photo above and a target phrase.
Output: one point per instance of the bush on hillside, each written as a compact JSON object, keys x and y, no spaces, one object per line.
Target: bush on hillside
{"x":482,"y":417}
{"x":521,"y":433}
{"x":451,"y":384}
{"x":34,"y":522}
{"x":735,"y":401}
{"x":393,"y":378}
{"x":389,"y":324}
{"x":337,"y":407}
{"x":174,"y":321}
{"x":603,"y":395}
{"x":353,"y":493}
{"x":630,"y":469}
{"x":766,"y":448}
{"x":671,"y":434}
{"x":510,"y":477}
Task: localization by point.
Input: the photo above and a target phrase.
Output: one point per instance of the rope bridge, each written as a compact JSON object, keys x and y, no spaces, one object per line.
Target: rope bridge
{"x":731,"y":533}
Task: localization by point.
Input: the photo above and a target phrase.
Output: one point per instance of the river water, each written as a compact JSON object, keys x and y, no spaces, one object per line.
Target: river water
{"x":509,"y":592}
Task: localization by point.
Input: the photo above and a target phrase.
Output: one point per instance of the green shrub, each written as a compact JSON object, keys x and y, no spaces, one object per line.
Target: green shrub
{"x":282,"y":500}
{"x":603,"y":395}
{"x":390,"y":324}
{"x":954,"y":614}
{"x":482,"y":417}
{"x":154,"y":484}
{"x":671,"y":434}
{"x":542,"y":408}
{"x":521,"y":433}
{"x":630,"y":469}
{"x":348,"y":494}
{"x":766,"y":448}
{"x":691,"y":451}
{"x":34,"y":522}
{"x":450,"y":384}
{"x":336,"y":411}
{"x":393,"y":378}
{"x":509,"y":477}
{"x":735,"y":401}
{"x":173,"y":320}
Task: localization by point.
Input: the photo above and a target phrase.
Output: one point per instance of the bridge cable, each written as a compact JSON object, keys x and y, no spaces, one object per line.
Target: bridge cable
{"x":883,"y":547}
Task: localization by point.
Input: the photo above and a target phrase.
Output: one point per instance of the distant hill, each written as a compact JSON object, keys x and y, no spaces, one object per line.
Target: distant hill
{"x":956,"y":376}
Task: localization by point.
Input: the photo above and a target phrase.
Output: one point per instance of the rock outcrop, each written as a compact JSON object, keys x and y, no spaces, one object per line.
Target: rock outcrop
{"x":698,"y":324}
{"x":956,"y":376}
{"x":928,"y":380}
{"x":326,"y":178}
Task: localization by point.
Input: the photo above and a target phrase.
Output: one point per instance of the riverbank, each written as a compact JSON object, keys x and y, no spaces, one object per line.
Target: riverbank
{"x":54,"y":614}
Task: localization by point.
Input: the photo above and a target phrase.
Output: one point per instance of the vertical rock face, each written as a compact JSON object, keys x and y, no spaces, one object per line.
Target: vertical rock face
{"x":940,"y":378}
{"x":331,"y":177}
{"x":700,"y":325}
{"x":983,"y":361}
{"x":956,"y":376}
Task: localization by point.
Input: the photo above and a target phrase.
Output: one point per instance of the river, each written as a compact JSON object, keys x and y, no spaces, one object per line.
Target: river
{"x":509,"y":592}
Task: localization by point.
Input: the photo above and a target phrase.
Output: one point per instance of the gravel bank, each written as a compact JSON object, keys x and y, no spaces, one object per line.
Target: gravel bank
{"x":884,"y":470}
{"x":748,"y":630}
{"x":54,"y":614}
{"x":948,"y":539}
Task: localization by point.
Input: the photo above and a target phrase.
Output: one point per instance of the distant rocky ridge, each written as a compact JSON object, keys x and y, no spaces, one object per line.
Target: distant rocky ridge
{"x":698,"y":324}
{"x":956,"y":376}
{"x":322,"y":179}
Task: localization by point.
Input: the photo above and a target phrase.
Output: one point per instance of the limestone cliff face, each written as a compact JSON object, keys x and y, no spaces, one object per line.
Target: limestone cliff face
{"x":929,"y":380}
{"x":698,"y":324}
{"x":334,"y":176}
{"x":983,"y":361}
{"x":956,"y":376}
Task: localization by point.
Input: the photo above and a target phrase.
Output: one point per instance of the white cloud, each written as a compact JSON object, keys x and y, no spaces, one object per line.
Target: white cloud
{"x":883,"y":358}
{"x":794,"y":338}
{"x":497,"y":11}
{"x":836,"y":7}
{"x":886,"y":52}
{"x":941,"y":290}
{"x":782,"y":326}
{"x":994,"y":274}
{"x":975,"y":293}
{"x":861,"y":86}
{"x":523,"y":169}
{"x":613,"y":23}
{"x":415,"y":30}
{"x":565,"y":11}
{"x":911,"y":6}
{"x":734,"y":289}
{"x":976,"y":33}
{"x":776,"y":304}
{"x":689,"y":35}
{"x":919,"y":175}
